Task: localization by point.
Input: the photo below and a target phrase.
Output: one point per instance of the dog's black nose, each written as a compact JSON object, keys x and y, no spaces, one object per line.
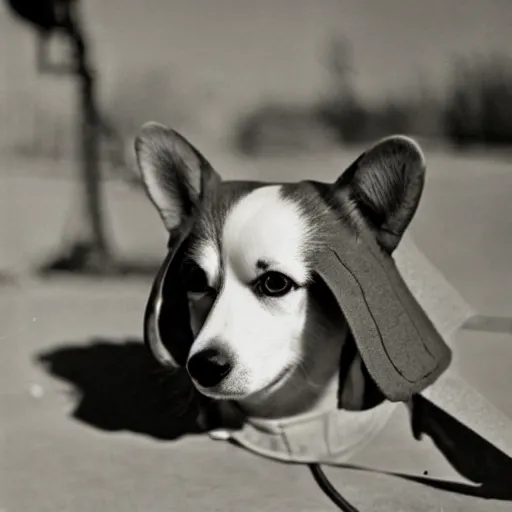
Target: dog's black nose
{"x":209,"y":367}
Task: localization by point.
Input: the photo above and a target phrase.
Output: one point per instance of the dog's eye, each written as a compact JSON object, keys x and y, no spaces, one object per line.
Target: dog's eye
{"x":194,"y":278}
{"x":274,"y":284}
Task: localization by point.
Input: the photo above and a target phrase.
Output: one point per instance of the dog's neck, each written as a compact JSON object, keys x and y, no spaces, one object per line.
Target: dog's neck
{"x":304,"y":391}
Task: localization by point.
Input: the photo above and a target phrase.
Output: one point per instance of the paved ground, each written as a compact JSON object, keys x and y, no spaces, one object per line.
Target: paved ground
{"x":78,"y":430}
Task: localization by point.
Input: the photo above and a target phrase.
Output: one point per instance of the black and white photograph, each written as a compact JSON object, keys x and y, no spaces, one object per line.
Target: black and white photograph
{"x":255,"y":256}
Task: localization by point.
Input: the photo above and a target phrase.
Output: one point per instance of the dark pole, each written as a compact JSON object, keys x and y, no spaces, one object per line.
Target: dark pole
{"x":89,"y":250}
{"x":90,"y":140}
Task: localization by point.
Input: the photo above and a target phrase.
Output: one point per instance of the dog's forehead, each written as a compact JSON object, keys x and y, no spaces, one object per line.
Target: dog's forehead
{"x":217,"y":206}
{"x":265,"y":221}
{"x":256,"y":222}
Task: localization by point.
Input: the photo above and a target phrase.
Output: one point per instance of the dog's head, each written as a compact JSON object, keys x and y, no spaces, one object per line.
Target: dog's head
{"x":251,"y":296}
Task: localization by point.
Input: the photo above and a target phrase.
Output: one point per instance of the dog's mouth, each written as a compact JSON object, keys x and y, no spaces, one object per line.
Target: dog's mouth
{"x":277,"y":381}
{"x":268,"y":389}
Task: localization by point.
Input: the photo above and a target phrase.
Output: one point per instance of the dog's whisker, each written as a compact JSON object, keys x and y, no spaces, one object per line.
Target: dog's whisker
{"x":308,"y":379}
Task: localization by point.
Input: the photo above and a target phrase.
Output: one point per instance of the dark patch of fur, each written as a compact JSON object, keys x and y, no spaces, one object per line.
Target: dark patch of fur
{"x":262,"y":265}
{"x":321,"y":209}
{"x":380,"y":190}
{"x":372,"y":395}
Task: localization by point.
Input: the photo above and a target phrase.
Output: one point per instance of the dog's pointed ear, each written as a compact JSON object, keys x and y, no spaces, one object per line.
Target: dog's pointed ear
{"x":383,"y":187}
{"x":175,"y":174}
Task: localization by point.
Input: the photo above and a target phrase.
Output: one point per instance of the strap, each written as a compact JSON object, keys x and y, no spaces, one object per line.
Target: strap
{"x":330,"y":491}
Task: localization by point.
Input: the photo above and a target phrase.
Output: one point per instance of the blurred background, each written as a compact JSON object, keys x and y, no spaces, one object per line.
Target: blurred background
{"x":272,"y":90}
{"x":246,"y":81}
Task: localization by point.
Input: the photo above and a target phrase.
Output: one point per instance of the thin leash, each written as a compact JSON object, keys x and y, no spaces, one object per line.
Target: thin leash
{"x":330,"y":491}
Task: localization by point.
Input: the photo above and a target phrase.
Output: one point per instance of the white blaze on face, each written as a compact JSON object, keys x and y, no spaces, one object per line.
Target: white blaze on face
{"x":265,"y":226}
{"x":206,"y":255}
{"x":263,"y":333}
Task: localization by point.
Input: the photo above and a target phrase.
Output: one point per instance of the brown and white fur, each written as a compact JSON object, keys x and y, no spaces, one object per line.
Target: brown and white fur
{"x":283,"y":350}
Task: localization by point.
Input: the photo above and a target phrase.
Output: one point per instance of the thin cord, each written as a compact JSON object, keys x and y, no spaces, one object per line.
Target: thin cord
{"x":329,"y":489}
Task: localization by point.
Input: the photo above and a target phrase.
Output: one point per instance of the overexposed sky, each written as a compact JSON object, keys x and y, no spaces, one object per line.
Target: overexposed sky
{"x":226,"y":55}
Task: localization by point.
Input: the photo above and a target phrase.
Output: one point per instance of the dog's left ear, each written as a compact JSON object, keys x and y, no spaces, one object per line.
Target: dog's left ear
{"x":383,"y":187}
{"x":175,"y":174}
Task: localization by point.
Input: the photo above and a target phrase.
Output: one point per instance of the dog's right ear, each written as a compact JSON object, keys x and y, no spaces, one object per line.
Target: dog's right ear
{"x":175,"y":174}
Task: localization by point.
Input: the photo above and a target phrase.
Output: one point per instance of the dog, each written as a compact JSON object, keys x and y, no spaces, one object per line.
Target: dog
{"x":265,"y":332}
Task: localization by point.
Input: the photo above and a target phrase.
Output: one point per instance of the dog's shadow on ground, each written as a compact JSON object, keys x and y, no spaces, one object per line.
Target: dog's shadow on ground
{"x":119,"y":387}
